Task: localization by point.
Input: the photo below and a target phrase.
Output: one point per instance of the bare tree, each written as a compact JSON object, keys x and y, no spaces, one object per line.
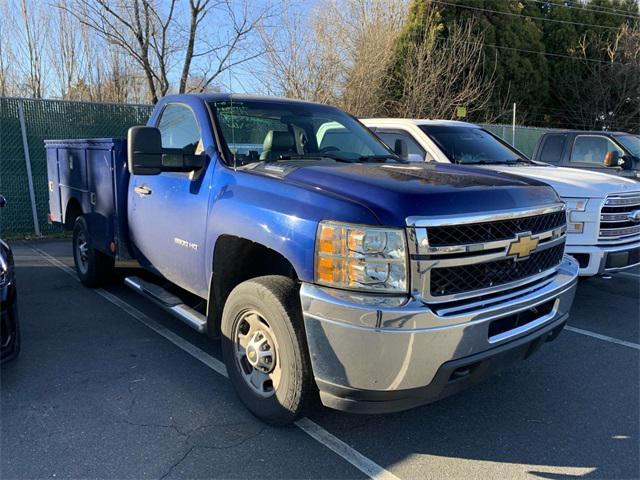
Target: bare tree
{"x":7,"y":73}
{"x":151,"y":34}
{"x":440,"y":73}
{"x":339,"y":53}
{"x":367,"y":32}
{"x":300,"y":59}
{"x":137,"y":28}
{"x":230,"y":47}
{"x":65,"y":52}
{"x":197,"y":11}
{"x":34,"y":35}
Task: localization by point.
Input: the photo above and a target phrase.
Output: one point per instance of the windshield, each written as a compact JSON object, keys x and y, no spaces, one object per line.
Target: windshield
{"x":471,"y":145}
{"x":255,"y":131}
{"x":631,"y":143}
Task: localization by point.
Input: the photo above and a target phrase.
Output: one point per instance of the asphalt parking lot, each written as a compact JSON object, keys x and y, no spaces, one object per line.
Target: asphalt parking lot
{"x":109,"y":386}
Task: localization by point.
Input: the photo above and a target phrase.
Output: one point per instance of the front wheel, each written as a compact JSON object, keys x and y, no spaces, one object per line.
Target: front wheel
{"x":93,"y":267}
{"x":265,"y":350}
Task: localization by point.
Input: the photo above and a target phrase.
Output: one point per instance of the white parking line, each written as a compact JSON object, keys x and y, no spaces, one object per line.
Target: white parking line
{"x":606,"y":338}
{"x":355,"y":458}
{"x":629,"y":274}
{"x":315,"y":431}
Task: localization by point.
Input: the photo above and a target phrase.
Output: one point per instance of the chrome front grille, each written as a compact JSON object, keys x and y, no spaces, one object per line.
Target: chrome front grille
{"x":461,"y":258}
{"x":465,"y":278}
{"x":491,"y":231}
{"x":620,"y":217}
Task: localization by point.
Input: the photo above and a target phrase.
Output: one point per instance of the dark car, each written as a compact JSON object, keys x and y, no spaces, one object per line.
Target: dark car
{"x":9,"y":330}
{"x":615,"y":153}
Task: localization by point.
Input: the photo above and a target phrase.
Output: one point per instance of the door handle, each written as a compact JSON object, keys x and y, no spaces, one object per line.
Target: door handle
{"x":143,"y":190}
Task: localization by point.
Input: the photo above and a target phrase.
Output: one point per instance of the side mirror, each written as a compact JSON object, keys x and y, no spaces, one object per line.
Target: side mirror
{"x":144,"y":151}
{"x":145,"y":155}
{"x":612,"y":159}
{"x":415,"y":157}
{"x":3,"y":201}
{"x":400,"y":148}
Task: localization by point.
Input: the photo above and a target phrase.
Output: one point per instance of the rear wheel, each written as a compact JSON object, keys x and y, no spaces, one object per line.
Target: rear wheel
{"x":265,"y":349}
{"x":93,"y":267}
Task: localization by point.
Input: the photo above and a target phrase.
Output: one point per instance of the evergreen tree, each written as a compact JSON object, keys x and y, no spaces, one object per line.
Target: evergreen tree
{"x":558,"y":60}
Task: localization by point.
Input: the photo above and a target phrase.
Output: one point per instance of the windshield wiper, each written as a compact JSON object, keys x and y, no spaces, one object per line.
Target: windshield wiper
{"x":479,"y":162}
{"x":309,"y":157}
{"x":380,"y":158}
{"x":494,"y":162}
{"x":519,"y":161}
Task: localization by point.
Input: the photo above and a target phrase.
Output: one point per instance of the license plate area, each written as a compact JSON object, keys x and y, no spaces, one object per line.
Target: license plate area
{"x":501,"y":327}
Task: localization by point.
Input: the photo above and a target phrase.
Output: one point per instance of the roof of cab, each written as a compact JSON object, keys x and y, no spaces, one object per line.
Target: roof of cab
{"x":426,"y":121}
{"x":587,"y":132}
{"x":240,"y":97}
{"x":418,"y":121}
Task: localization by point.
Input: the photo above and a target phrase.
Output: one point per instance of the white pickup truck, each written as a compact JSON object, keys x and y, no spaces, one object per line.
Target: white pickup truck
{"x":603,"y":210}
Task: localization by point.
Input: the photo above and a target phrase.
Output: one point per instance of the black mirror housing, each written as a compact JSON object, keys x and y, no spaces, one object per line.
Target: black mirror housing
{"x":173,"y":160}
{"x":3,"y":201}
{"x":144,"y":151}
{"x":400,"y":148}
{"x":145,"y":155}
{"x":627,"y":162}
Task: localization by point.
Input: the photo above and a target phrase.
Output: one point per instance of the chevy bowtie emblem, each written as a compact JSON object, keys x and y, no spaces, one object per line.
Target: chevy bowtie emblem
{"x":634,"y":216}
{"x":522,"y":246}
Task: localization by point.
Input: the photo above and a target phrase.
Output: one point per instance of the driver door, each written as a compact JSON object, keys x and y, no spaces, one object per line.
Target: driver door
{"x":168,"y":212}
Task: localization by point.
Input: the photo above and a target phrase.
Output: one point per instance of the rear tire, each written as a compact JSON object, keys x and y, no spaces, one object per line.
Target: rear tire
{"x":93,"y":267}
{"x":265,"y":349}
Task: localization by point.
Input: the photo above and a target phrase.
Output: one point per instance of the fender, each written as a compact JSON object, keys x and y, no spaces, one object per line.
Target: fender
{"x":275,"y":213}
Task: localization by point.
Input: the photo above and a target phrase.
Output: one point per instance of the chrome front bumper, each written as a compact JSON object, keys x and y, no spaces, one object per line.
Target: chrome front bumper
{"x":606,"y":258}
{"x":378,"y":354}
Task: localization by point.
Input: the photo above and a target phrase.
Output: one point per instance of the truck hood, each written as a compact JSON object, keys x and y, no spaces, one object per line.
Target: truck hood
{"x":572,"y":182}
{"x":394,"y":192}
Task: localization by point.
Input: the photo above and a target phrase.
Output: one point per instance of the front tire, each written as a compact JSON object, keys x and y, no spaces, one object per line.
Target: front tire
{"x":265,"y":349}
{"x":93,"y":267}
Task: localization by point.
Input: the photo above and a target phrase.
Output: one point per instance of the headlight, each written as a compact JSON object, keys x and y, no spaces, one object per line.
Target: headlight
{"x":361,"y":258}
{"x":4,"y":270}
{"x":574,"y":205}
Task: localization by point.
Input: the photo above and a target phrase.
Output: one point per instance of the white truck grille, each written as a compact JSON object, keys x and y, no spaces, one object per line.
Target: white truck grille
{"x":620,"y":217}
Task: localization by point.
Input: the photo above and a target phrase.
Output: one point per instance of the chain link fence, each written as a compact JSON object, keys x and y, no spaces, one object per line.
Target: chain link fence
{"x":24,"y":126}
{"x":525,"y":138}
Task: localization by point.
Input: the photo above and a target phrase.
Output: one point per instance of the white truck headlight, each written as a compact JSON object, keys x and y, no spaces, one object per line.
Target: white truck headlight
{"x":575,"y":205}
{"x":361,"y":258}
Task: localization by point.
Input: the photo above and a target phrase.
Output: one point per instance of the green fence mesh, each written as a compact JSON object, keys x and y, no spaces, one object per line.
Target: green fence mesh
{"x":48,"y":119}
{"x":526,"y":138}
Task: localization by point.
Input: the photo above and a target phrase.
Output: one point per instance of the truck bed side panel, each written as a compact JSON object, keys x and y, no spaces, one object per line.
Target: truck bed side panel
{"x":102,"y":217}
{"x":92,"y":173}
{"x":72,"y":167}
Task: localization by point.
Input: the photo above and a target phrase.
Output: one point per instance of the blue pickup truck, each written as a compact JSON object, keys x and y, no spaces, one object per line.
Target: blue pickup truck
{"x":325,"y":263}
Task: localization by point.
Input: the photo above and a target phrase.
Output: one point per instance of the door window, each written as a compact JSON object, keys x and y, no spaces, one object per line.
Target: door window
{"x":552,"y":148}
{"x":414,"y":150}
{"x":179,"y":129}
{"x":333,"y":135}
{"x":592,"y":149}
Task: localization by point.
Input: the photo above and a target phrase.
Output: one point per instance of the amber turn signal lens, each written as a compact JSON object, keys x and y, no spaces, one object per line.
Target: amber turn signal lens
{"x":326,"y":240}
{"x":330,"y":270}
